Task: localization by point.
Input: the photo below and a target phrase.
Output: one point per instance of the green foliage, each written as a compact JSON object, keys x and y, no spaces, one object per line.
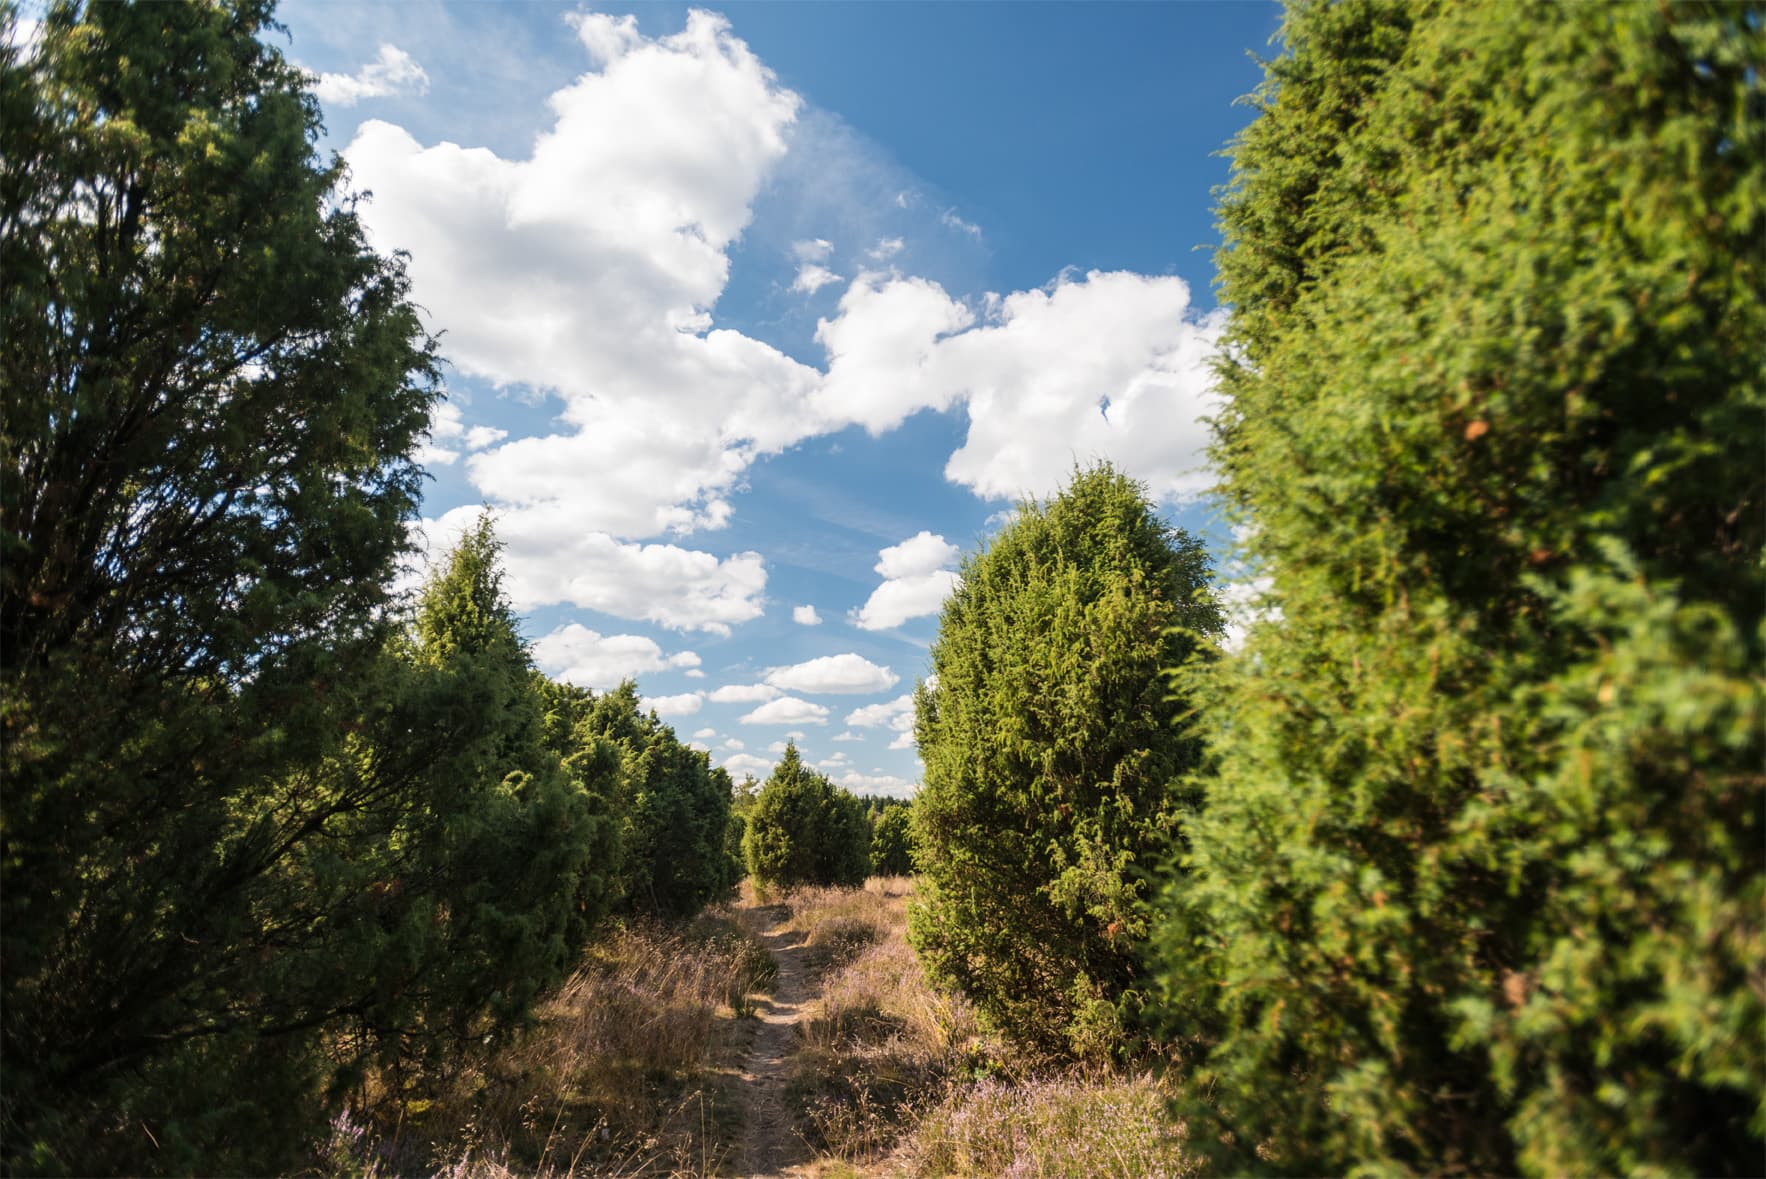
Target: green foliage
{"x":805,"y":830}
{"x":675,"y":807}
{"x":892,"y":841}
{"x":1478,"y":882}
{"x":1051,"y":748}
{"x":210,"y":387}
{"x":506,"y":850}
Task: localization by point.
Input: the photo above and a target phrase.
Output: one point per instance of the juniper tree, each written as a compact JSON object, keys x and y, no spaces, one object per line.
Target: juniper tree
{"x":1478,"y":879}
{"x":1052,"y":755}
{"x":892,"y":841}
{"x":675,"y":811}
{"x":210,"y":391}
{"x":802,"y":829}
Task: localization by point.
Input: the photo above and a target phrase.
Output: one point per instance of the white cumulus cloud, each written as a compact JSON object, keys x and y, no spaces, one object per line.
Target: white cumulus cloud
{"x":805,"y":616}
{"x":744,"y":694}
{"x":787,"y":710}
{"x":587,"y":271}
{"x":877,"y":784}
{"x":549,"y":559}
{"x":916,"y":581}
{"x":448,"y":429}
{"x":922,"y":553}
{"x":896,"y":715}
{"x":889,"y":713}
{"x":392,"y":72}
{"x":883,"y":346}
{"x":685,"y":704}
{"x":580,"y":656}
{"x":747,"y":763}
{"x":479,"y":437}
{"x":1108,"y":365}
{"x":842,"y":674}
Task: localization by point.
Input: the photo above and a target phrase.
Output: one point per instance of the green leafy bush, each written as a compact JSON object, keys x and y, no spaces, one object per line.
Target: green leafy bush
{"x":803,"y":829}
{"x":1478,"y":881}
{"x":501,"y":859}
{"x":1051,"y":751}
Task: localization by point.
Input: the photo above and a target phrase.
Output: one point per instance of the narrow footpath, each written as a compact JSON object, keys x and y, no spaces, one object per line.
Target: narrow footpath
{"x":770,"y":1143}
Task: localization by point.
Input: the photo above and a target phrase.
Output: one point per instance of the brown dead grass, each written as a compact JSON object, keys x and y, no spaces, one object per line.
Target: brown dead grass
{"x":881,"y":1041}
{"x":628,"y":1071}
{"x":1097,"y":1124}
{"x":895,"y":1078}
{"x":632,"y":1069}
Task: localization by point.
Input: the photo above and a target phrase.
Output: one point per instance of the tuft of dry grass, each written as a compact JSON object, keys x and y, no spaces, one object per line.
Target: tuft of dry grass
{"x":1103,"y":1125}
{"x":839,"y":923}
{"x":622,"y":1073}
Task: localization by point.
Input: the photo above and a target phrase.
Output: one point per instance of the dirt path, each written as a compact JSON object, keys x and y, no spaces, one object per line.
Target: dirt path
{"x":770,"y":1143}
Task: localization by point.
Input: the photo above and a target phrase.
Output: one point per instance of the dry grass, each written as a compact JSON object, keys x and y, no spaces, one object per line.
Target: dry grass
{"x":896,"y":1078}
{"x":1099,"y":1125}
{"x":624,"y":1073}
{"x":882,"y":1040}
{"x":630,"y":1070}
{"x":838,"y":923}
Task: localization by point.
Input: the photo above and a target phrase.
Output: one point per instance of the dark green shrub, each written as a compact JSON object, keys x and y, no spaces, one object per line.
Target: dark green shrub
{"x":496,"y":860}
{"x":803,"y":829}
{"x":675,"y":808}
{"x":1050,"y":751}
{"x":892,"y":841}
{"x":1478,"y":882}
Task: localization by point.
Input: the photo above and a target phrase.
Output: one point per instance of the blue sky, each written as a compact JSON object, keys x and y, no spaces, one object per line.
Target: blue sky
{"x":758,"y":318}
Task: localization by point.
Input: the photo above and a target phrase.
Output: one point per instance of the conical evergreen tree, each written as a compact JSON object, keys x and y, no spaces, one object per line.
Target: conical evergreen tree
{"x":1052,"y":757}
{"x":803,"y":829}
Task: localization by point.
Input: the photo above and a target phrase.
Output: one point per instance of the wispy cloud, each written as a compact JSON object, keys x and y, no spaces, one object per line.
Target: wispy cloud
{"x":393,"y":72}
{"x":812,"y":277}
{"x":949,"y":218}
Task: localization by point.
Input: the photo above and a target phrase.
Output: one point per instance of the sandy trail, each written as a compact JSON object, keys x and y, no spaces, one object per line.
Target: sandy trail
{"x":770,"y":1143}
